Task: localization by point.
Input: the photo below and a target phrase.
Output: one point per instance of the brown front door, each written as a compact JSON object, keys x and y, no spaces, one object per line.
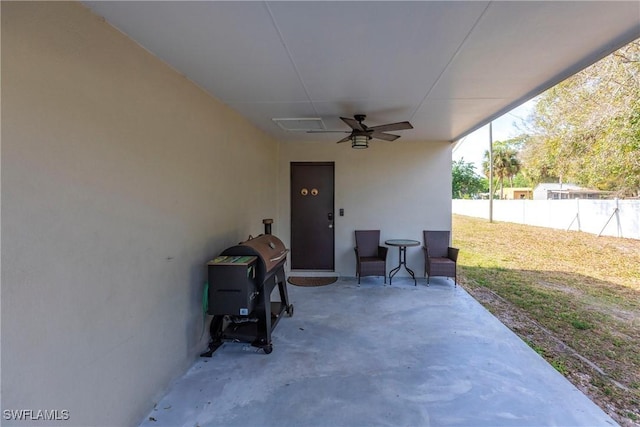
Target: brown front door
{"x":312,"y":216}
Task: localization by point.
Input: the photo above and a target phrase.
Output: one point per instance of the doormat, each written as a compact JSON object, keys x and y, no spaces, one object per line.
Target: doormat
{"x":311,"y":281}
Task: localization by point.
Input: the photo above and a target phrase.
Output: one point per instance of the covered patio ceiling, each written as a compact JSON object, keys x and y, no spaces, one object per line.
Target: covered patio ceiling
{"x":449,"y":67}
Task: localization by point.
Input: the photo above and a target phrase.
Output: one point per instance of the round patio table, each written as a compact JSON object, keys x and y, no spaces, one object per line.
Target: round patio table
{"x":402,"y":255}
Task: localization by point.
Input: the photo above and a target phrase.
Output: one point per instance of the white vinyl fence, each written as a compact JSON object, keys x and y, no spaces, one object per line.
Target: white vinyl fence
{"x":619,"y":218}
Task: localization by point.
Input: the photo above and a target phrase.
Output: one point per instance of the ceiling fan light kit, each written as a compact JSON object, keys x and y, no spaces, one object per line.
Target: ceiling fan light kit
{"x":359,"y":141}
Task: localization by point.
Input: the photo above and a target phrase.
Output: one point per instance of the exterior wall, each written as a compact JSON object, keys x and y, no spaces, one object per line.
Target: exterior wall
{"x":541,"y":192}
{"x":400,"y":188}
{"x":120,"y":180}
{"x":518,"y":193}
{"x":590,"y":216}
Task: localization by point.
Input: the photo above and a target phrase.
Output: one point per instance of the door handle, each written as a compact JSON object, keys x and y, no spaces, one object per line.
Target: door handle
{"x":330,"y":218}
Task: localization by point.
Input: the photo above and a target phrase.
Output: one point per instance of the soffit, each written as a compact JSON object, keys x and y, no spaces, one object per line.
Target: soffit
{"x":448,"y":67}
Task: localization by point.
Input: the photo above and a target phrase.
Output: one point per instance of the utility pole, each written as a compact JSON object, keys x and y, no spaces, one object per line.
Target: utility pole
{"x":490,"y":172}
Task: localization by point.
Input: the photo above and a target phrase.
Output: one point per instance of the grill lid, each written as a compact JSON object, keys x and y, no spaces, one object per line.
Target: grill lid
{"x":269,"y":248}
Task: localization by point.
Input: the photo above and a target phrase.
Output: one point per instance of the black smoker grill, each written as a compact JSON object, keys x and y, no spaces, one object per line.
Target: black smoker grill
{"x":241,"y":280}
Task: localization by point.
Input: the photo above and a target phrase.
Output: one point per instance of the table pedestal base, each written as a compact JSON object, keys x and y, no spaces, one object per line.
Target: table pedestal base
{"x":403,"y":262}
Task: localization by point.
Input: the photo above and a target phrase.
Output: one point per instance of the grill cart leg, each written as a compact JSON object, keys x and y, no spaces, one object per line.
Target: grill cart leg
{"x":284,"y":295}
{"x":263,"y":338}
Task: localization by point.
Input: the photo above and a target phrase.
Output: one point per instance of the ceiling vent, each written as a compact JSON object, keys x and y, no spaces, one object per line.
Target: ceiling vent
{"x":298,"y":124}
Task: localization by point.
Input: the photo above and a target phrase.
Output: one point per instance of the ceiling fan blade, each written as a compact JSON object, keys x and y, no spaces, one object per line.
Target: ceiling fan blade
{"x":384,"y":136}
{"x":353,"y":124}
{"x":392,"y":126}
{"x":345,"y":139}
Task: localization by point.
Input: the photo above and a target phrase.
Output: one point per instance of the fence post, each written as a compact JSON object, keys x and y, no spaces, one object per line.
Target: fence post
{"x":618,"y":218}
{"x":578,"y":213}
{"x":615,"y":212}
{"x":577,"y":217}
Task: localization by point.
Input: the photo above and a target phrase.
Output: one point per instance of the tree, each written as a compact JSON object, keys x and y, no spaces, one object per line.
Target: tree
{"x":466,"y":183}
{"x":587,"y":128}
{"x":506,"y":164}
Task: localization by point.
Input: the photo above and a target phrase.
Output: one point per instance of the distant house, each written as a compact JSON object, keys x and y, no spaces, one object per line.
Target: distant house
{"x":517,"y":193}
{"x":555,"y":191}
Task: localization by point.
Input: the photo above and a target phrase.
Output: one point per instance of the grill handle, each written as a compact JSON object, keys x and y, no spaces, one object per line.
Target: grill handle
{"x":279,"y":257}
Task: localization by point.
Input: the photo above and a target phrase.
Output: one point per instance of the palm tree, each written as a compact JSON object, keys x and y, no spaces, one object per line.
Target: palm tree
{"x":505,"y":165}
{"x":514,"y":165}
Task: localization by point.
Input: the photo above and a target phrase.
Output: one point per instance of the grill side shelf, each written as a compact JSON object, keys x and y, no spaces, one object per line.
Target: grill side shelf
{"x":233,"y":260}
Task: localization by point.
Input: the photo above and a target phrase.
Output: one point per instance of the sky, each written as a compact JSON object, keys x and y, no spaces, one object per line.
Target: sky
{"x":509,"y":125}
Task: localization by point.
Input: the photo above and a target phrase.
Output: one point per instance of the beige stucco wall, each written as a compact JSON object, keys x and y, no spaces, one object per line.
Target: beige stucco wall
{"x":120,"y":179}
{"x":400,"y":188}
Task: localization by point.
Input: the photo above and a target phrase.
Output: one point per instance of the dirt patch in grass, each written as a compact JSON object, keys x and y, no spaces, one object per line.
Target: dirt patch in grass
{"x":573,"y":297}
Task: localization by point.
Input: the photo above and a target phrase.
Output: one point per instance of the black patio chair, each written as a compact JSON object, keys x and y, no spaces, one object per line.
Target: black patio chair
{"x":371,"y":258}
{"x":440,"y":259}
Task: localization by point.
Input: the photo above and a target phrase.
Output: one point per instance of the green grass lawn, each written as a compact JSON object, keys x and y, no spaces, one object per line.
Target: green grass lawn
{"x":581,"y":289}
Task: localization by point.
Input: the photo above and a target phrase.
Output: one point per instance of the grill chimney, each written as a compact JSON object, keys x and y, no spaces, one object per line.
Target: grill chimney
{"x":267,"y":225}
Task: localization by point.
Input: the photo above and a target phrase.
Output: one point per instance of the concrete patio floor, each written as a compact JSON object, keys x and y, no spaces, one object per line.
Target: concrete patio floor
{"x":376,"y":355}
